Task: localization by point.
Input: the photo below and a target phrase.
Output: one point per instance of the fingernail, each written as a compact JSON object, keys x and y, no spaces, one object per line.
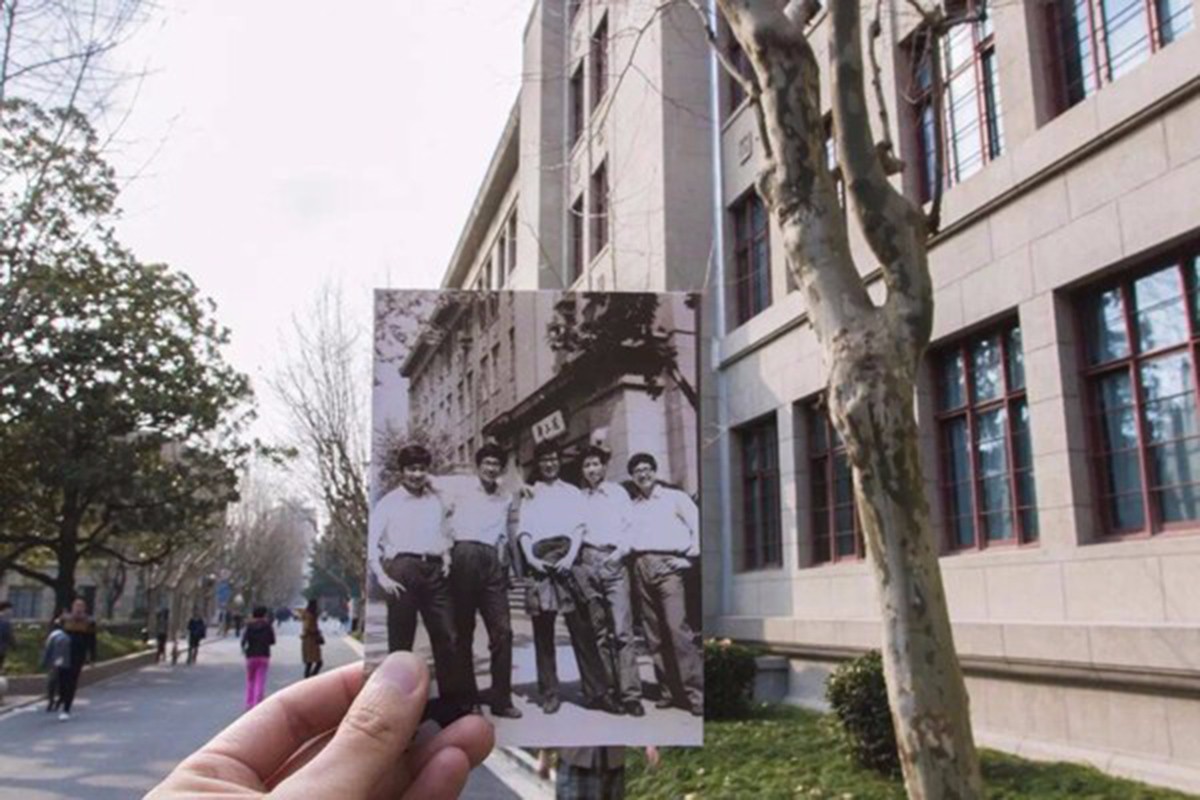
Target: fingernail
{"x":401,"y":670}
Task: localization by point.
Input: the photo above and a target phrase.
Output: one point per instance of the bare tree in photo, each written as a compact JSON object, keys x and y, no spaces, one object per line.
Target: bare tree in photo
{"x":873,"y":353}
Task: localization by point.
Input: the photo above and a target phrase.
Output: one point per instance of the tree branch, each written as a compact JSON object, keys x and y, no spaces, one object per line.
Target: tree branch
{"x":894,"y":227}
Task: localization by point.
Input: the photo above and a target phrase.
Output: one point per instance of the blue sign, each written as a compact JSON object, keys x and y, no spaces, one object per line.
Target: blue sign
{"x":224,"y":593}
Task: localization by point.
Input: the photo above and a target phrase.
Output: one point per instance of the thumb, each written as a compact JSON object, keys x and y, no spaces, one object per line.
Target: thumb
{"x":366,"y":755}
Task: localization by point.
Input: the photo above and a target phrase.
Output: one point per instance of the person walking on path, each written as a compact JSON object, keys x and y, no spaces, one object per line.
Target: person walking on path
{"x":82,"y":629}
{"x":56,"y":661}
{"x":256,"y":645}
{"x":161,"y":620}
{"x":477,"y":513}
{"x":551,"y":529}
{"x":197,"y":631}
{"x":7,"y":640}
{"x":311,"y":639}
{"x":590,"y":773}
{"x":666,"y":535}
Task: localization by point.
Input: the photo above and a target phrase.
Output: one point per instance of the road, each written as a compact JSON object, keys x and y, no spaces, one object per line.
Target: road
{"x":127,"y":733}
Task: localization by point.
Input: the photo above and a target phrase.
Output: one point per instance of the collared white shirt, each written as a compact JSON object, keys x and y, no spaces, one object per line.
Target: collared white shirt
{"x":607,"y":511}
{"x":556,"y":509}
{"x":403,"y":522}
{"x":473,"y":514}
{"x":667,"y":520}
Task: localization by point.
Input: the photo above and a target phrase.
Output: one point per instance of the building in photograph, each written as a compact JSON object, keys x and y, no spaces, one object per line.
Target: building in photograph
{"x":1058,"y":407}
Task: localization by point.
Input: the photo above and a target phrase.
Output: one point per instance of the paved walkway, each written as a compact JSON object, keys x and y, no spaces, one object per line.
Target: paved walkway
{"x":127,"y":733}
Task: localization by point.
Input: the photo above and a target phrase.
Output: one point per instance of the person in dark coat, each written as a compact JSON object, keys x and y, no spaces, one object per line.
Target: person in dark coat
{"x":256,"y":645}
{"x":82,"y":629}
{"x":197,"y":631}
{"x":311,"y":639}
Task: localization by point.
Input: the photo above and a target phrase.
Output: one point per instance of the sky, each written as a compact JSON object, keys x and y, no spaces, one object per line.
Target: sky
{"x":274,"y":147}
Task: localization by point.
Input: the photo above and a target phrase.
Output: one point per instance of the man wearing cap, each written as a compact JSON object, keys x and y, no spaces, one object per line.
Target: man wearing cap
{"x":408,"y":551}
{"x":666,"y":534}
{"x":602,"y":574}
{"x":550,"y":534}
{"x":477,"y":512}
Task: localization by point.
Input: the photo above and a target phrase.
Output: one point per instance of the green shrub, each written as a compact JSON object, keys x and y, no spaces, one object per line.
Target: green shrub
{"x":729,"y":671}
{"x":858,"y":696}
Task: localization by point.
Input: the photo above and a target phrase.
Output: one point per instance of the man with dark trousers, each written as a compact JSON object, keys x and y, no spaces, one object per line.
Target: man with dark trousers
{"x":550,"y":534}
{"x":477,"y":513}
{"x":666,"y":535}
{"x":408,"y":551}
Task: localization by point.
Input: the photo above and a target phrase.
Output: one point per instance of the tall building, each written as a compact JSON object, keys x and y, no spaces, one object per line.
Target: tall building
{"x":1058,"y":401}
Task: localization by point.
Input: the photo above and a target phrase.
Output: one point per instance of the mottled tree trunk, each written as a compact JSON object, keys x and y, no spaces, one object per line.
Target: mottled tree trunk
{"x":873,"y":352}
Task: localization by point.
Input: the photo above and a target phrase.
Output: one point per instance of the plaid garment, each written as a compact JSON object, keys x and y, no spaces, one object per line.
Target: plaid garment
{"x":576,"y":783}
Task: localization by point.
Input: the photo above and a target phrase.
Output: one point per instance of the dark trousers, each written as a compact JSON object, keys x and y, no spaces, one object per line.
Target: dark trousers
{"x":677,"y":659}
{"x":479,"y":584}
{"x":606,"y":585}
{"x":193,"y":650}
{"x":68,"y":682}
{"x":592,"y":676}
{"x":427,"y":592}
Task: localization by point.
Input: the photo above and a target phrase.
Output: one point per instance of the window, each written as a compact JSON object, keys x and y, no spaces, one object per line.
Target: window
{"x":26,"y":601}
{"x":752,"y":256}
{"x":983,"y":431}
{"x":599,"y":66}
{"x":492,"y":376}
{"x":836,"y":530}
{"x":762,"y":538}
{"x":575,"y":257}
{"x":831,"y":161}
{"x":972,"y":115}
{"x":1141,"y":337}
{"x":599,"y":215}
{"x":501,"y":256}
{"x":512,"y":244}
{"x":575,"y":106}
{"x":1098,"y":41}
{"x":739,"y":61}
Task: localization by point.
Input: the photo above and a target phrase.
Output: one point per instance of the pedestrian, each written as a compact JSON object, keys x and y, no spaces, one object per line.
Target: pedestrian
{"x":161,"y":624}
{"x":256,"y":645}
{"x":477,"y":514}
{"x":8,"y":641}
{"x":551,"y":525}
{"x":666,"y":535}
{"x":408,"y":551}
{"x":602,"y":573}
{"x":56,"y":661}
{"x":197,"y":632}
{"x":82,"y":629}
{"x":373,"y":752}
{"x":590,"y":773}
{"x":238,"y":621}
{"x":311,"y":639}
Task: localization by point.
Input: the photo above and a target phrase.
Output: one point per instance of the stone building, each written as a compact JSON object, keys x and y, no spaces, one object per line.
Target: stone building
{"x":1058,"y":406}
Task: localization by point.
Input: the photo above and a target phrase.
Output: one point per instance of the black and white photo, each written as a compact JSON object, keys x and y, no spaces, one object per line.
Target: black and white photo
{"x":534,"y":531}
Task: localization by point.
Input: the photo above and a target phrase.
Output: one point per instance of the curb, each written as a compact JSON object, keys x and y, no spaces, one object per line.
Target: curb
{"x":32,"y":688}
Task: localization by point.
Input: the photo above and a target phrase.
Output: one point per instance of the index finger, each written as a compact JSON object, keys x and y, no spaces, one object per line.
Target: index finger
{"x":263,"y":739}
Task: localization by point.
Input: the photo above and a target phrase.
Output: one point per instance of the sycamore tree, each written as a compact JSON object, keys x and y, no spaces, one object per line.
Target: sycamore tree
{"x":872,"y":350}
{"x":119,"y":417}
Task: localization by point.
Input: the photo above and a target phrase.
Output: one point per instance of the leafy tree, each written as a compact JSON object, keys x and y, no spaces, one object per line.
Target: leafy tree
{"x":119,"y":417}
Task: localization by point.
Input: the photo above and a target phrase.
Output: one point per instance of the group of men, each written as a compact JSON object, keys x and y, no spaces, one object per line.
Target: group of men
{"x":441,"y":547}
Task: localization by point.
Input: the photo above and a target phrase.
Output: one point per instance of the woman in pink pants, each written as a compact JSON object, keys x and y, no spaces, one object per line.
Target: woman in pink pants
{"x":256,"y":644}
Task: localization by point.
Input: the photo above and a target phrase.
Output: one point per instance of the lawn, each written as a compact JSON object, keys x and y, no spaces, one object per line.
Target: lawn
{"x":785,"y":752}
{"x":27,"y":658}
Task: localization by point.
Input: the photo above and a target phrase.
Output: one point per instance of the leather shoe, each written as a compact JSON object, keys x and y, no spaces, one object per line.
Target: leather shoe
{"x":634,"y":708}
{"x":512,"y":712}
{"x":664,"y":702}
{"x":551,"y":705}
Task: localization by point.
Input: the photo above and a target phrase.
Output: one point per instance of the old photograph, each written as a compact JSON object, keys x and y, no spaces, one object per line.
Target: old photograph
{"x":534,"y":530}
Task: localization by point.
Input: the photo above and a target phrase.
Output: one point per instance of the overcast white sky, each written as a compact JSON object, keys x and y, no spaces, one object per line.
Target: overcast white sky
{"x":290,"y":143}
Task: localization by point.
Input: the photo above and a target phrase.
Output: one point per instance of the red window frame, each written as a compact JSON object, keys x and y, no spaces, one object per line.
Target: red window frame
{"x":599,"y":211}
{"x":1098,"y":61}
{"x":1181,"y":261}
{"x":989,"y":108}
{"x":599,"y":58}
{"x":1025,"y":531}
{"x":751,"y":228}
{"x":825,"y":447}
{"x":762,"y":545}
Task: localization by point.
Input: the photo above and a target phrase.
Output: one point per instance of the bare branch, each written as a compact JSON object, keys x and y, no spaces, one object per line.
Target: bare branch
{"x":892,"y":165}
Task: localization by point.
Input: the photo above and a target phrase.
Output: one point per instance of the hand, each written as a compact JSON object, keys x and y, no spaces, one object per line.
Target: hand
{"x":537,"y":565}
{"x":562,"y":567}
{"x":652,"y":757}
{"x":326,"y":738}
{"x":388,"y":585}
{"x":678,"y":563}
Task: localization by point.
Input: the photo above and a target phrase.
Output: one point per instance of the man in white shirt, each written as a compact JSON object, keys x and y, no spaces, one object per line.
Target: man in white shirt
{"x":666,"y":536}
{"x":477,"y":514}
{"x":602,"y":573}
{"x":550,"y":534}
{"x":408,"y":552}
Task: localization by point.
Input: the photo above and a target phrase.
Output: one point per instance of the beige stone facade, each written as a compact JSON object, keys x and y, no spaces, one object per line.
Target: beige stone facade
{"x":1078,"y":643}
